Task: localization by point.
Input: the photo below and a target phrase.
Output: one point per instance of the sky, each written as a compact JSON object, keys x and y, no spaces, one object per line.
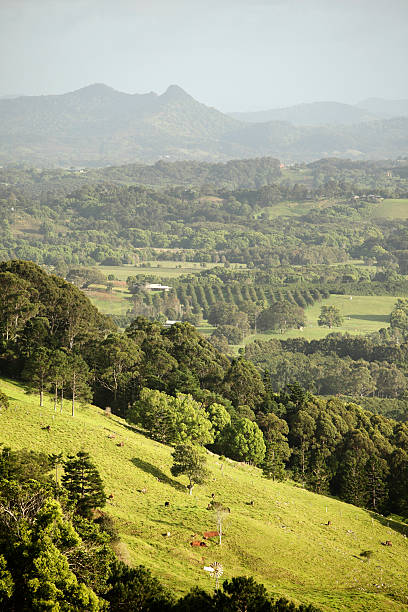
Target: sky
{"x":235,"y":55}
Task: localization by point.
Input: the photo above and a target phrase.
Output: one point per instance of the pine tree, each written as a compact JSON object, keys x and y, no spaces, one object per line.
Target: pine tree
{"x":83,"y":484}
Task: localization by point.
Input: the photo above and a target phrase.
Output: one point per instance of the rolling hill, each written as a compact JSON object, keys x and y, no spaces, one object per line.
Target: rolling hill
{"x":283,"y":539}
{"x":99,"y":126}
{"x":385,"y":108}
{"x":315,"y":113}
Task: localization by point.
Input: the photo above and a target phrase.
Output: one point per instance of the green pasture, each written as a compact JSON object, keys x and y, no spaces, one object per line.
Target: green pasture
{"x":160,"y":269}
{"x":362,"y":314}
{"x":288,"y":209}
{"x":115,"y":303}
{"x":283,"y":539}
{"x":392,"y":209}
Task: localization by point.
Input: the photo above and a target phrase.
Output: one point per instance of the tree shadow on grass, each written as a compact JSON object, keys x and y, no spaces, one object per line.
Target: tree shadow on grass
{"x":154,"y":471}
{"x":393,"y":524}
{"x":371,"y":317}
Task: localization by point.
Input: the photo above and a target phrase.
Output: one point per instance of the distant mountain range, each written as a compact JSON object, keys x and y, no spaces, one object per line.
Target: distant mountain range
{"x":330,"y":113}
{"x":316,"y":113}
{"x":97,"y":126}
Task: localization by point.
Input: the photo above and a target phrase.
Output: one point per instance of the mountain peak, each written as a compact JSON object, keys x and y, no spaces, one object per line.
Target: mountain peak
{"x":175,"y":92}
{"x":96,"y":90}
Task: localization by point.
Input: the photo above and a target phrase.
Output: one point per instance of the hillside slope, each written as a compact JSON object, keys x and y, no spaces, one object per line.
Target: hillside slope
{"x":283,"y":539}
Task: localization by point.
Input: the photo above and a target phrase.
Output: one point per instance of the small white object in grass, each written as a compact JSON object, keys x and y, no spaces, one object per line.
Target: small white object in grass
{"x":208,"y":569}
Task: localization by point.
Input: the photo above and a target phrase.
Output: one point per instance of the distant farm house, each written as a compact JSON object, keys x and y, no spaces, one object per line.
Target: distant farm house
{"x":157,"y":287}
{"x":169,"y":323}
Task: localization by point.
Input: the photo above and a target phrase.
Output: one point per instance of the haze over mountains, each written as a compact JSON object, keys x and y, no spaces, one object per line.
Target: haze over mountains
{"x":330,"y":113}
{"x":97,"y":125}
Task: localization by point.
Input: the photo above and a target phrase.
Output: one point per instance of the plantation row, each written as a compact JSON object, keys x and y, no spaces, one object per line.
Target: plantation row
{"x":201,"y":297}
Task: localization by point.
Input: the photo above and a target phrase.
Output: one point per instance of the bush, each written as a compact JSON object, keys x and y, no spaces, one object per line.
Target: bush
{"x":4,"y":403}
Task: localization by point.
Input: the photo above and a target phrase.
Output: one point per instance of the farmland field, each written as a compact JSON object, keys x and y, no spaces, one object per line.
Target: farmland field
{"x":362,"y":314}
{"x":392,"y":209}
{"x":162,"y":269}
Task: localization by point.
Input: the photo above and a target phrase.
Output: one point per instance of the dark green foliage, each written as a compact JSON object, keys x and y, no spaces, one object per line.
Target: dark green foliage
{"x":240,"y":594}
{"x":4,"y":402}
{"x":243,"y":441}
{"x":243,"y":383}
{"x":83,"y":484}
{"x":277,"y":452}
{"x":280,"y":316}
{"x":24,"y":465}
{"x":46,"y":563}
{"x":136,"y":590}
{"x":330,"y":317}
{"x":190,"y":461}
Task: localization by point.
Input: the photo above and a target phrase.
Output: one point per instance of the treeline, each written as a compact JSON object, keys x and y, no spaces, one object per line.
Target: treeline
{"x":374,"y":365}
{"x":175,"y":383}
{"x":232,"y":174}
{"x":56,"y":547}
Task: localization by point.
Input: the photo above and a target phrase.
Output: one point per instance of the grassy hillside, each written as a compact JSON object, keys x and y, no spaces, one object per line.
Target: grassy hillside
{"x":283,"y":539}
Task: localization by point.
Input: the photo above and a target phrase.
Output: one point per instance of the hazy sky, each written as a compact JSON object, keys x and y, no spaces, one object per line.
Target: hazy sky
{"x":232,"y":54}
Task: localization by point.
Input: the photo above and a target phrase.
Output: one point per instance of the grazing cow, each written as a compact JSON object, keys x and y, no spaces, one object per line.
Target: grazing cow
{"x":210,"y":534}
{"x":166,"y":504}
{"x":195,"y":543}
{"x":47,"y":428}
{"x":111,"y":496}
{"x":387,"y":543}
{"x":121,"y":444}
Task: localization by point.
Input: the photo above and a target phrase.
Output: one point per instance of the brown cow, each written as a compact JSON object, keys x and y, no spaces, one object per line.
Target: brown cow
{"x":195,"y":543}
{"x":210,"y":534}
{"x":387,"y":543}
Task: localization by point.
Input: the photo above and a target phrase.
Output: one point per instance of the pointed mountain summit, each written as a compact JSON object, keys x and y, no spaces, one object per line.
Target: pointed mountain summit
{"x":175,"y":92}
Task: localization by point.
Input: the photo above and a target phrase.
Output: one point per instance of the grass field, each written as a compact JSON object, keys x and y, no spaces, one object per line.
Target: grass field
{"x":282,"y":540}
{"x":362,"y":314}
{"x":162,"y":269}
{"x":392,"y":209}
